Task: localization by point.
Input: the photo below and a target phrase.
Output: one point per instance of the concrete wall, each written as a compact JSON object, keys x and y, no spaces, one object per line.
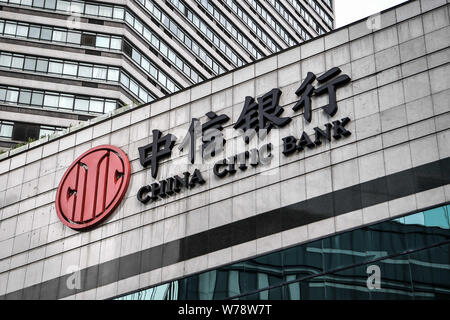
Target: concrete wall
{"x":398,"y":105}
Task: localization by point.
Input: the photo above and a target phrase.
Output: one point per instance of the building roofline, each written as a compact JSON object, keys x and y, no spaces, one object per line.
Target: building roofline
{"x":124,"y":110}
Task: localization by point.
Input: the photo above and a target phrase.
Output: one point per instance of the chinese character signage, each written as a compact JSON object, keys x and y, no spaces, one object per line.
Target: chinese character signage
{"x":257,"y":118}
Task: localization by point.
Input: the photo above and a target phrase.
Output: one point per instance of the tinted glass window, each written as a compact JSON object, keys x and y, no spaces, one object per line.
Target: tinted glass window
{"x":30,"y":64}
{"x":116,"y":43}
{"x":5,"y":60}
{"x":12,"y":95}
{"x":55,"y":67}
{"x":25,"y":97}
{"x":81,"y":104}
{"x":74,"y":37}
{"x":66,"y":102}
{"x":70,"y":69}
{"x":37,"y":98}
{"x":85,"y":71}
{"x":99,"y":73}
{"x":102,"y":42}
{"x":35,"y":32}
{"x":46,"y":34}
{"x":22,"y":31}
{"x":17,"y":62}
{"x":51,"y":101}
{"x":96,"y":106}
{"x":42,"y":65}
{"x":113,"y":74}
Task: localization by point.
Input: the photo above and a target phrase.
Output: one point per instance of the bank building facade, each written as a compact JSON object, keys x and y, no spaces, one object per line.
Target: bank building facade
{"x":319,"y":172}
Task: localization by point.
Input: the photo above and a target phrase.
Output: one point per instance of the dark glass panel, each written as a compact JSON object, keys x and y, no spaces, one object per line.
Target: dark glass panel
{"x":430,"y":270}
{"x":303,"y":261}
{"x":346,"y":249}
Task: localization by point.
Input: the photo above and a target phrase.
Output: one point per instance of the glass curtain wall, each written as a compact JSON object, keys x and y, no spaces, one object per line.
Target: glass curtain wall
{"x":411,"y":254}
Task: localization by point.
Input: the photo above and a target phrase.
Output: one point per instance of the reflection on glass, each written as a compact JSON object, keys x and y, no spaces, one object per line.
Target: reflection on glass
{"x":336,"y":267}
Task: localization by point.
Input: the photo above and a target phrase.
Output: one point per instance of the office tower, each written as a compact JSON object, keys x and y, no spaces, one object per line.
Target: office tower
{"x":62,"y":61}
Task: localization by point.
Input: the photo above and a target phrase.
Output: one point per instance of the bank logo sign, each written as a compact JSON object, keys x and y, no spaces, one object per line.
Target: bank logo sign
{"x":93,"y":187}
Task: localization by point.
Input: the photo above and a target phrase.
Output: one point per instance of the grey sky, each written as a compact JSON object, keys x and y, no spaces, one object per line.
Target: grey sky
{"x":348,"y":11}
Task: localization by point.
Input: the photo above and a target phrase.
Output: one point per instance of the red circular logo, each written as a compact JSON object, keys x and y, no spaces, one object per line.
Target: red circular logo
{"x":93,"y":187}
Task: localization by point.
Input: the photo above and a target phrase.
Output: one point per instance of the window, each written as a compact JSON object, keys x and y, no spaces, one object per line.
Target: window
{"x":194,"y":76}
{"x":143,"y":95}
{"x":35,"y":32}
{"x":162,"y":78}
{"x":138,"y":26}
{"x":55,"y":67}
{"x":179,"y":63}
{"x":38,"y":3}
{"x":22,"y":30}
{"x":102,"y":42}
{"x":41,"y":65}
{"x":6,"y":129}
{"x":81,"y":104}
{"x":85,"y":71}
{"x":96,"y":106}
{"x":172,"y":56}
{"x":17,"y":62}
{"x":188,"y":42}
{"x":134,"y":87}
{"x":124,"y":79}
{"x":25,"y":97}
{"x":170,"y":86}
{"x":116,"y":43}
{"x":74,"y":37}
{"x":127,"y":49}
{"x":46,"y":34}
{"x":50,"y":4}
{"x":186,"y":70}
{"x":70,"y":69}
{"x":12,"y":95}
{"x":153,"y":72}
{"x":10,"y":28}
{"x":155,"y":41}
{"x":63,"y":5}
{"x":59,"y":35}
{"x":51,"y":100}
{"x":129,"y":18}
{"x":88,"y":40}
{"x":113,"y":74}
{"x":91,"y":10}
{"x":163,"y":49}
{"x":118,"y":13}
{"x":47,"y":130}
{"x":30,"y":64}
{"x":5,"y":60}
{"x":145,"y":64}
{"x":99,"y":73}
{"x":109,"y":106}
{"x":147,"y":35}
{"x":37,"y":98}
{"x":106,"y":11}
{"x":66,"y":102}
{"x":77,"y":7}
{"x":136,"y":56}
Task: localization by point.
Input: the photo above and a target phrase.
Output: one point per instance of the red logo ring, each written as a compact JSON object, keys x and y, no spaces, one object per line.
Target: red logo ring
{"x":92,"y":187}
